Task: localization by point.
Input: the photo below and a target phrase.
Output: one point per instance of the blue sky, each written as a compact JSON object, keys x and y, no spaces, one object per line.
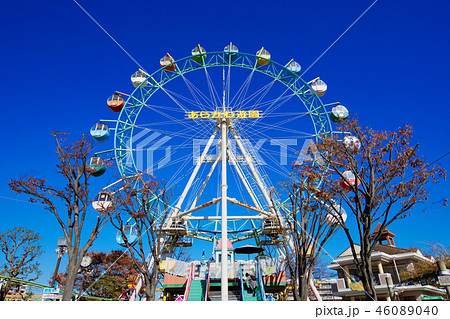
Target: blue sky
{"x":58,"y":67}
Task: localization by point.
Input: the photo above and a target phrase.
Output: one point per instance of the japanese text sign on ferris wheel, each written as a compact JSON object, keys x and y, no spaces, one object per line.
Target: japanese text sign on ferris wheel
{"x":252,"y":114}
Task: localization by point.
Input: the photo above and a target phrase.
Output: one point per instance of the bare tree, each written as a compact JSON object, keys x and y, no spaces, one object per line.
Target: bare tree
{"x":141,"y":208}
{"x":312,"y":216}
{"x":74,"y":196}
{"x":380,"y":178}
{"x":20,"y":247}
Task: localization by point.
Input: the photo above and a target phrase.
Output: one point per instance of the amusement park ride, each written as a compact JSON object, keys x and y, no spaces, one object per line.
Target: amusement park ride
{"x":180,"y":102}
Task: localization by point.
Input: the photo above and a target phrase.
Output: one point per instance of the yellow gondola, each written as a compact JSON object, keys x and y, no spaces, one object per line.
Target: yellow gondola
{"x":198,"y":54}
{"x":262,"y":57}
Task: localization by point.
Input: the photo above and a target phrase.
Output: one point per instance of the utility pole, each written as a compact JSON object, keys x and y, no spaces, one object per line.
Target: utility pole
{"x":61,"y":250}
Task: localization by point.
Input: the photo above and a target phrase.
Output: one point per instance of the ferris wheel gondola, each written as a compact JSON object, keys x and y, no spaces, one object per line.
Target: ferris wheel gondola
{"x":96,"y":166}
{"x":198,"y":54}
{"x":131,"y":234}
{"x":100,"y":132}
{"x":103,"y":202}
{"x":116,"y":102}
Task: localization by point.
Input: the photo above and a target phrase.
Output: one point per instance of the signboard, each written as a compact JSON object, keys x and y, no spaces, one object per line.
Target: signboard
{"x":50,"y":291}
{"x":433,"y":298}
{"x":50,"y":296}
{"x":357,"y":286}
{"x":251,"y":114}
{"x":444,"y":280}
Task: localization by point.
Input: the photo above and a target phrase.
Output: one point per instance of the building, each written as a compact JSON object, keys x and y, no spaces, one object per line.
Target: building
{"x":325,"y":289}
{"x":388,"y":262}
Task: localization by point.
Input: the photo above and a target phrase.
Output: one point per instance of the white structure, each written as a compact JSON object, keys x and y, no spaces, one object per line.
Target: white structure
{"x":388,"y":261}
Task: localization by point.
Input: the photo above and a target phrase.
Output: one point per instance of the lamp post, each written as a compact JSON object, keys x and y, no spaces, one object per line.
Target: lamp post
{"x":85,"y":262}
{"x":60,"y":251}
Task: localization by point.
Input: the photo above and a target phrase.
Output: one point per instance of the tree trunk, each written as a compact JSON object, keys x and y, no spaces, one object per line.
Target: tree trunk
{"x":304,"y":286}
{"x":4,"y":290}
{"x":367,"y":278}
{"x":72,"y":272}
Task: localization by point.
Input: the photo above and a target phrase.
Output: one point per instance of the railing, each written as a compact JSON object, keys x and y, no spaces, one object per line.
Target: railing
{"x":188,"y":283}
{"x":261,"y":283}
{"x":242,"y":283}
{"x":208,"y":279}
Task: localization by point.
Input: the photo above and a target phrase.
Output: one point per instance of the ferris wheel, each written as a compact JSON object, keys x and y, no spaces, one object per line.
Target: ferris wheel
{"x":221,"y":129}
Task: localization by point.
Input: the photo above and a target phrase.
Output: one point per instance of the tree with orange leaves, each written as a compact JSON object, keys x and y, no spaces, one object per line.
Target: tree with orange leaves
{"x":74,"y":196}
{"x":380,"y":178}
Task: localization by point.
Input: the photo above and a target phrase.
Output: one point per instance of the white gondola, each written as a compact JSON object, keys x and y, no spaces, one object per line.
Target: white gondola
{"x":336,"y":214}
{"x":320,"y":87}
{"x":139,"y":77}
{"x":130,"y":233}
{"x":103,"y":202}
{"x":352,"y":143}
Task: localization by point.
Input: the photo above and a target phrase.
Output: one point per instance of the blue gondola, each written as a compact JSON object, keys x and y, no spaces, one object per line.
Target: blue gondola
{"x":231,"y":52}
{"x":130,"y":233}
{"x":100,"y":132}
{"x":293,"y":67}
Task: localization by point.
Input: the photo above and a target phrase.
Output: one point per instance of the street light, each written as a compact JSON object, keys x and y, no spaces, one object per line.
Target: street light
{"x":60,"y":251}
{"x":85,"y":262}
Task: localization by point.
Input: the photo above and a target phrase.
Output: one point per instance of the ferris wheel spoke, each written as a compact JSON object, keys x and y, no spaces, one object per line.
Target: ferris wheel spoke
{"x":198,"y":95}
{"x":287,"y":114}
{"x":258,"y":95}
{"x":176,"y":120}
{"x":212,"y":90}
{"x":265,"y":104}
{"x":242,"y":91}
{"x":167,"y":108}
{"x":279,"y":127}
{"x":189,"y":101}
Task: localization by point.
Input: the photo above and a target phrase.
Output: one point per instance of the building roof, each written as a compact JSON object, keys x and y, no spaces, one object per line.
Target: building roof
{"x":219,"y":245}
{"x":384,"y":248}
{"x":391,"y":250}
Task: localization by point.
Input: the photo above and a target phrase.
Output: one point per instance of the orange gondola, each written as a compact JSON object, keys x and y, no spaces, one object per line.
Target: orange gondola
{"x":167,"y":62}
{"x":116,"y":102}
